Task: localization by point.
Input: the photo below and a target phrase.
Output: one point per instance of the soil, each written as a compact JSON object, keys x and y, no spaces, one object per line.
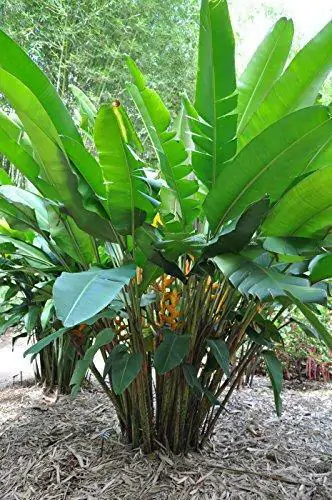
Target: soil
{"x":71,"y":449}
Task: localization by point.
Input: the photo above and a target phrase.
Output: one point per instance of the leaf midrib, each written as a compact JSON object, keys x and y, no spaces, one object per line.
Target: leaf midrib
{"x":262,"y":171}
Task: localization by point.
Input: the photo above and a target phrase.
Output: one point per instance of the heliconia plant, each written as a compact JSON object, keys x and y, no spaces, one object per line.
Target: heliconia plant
{"x":178,"y":270}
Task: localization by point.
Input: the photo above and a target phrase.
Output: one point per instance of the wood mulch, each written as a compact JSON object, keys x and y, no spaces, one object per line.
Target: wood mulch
{"x":53,"y":450}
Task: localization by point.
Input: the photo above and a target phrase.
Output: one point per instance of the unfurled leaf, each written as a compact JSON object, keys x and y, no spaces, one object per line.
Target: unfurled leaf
{"x":268,"y":165}
{"x":104,"y":337}
{"x":263,"y":69}
{"x":275,"y":371}
{"x":36,"y":348}
{"x":125,"y":367}
{"x":221,"y":353}
{"x":298,"y":86}
{"x":171,"y":153}
{"x":252,"y":279}
{"x":79,"y":296}
{"x":171,"y":352}
{"x":305,"y":210}
{"x":236,"y":239}
{"x":213,"y":120}
{"x":128,"y":196}
{"x":320,"y":267}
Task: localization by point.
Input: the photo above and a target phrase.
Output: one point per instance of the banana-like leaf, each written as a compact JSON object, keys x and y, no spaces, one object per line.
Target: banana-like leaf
{"x":18,"y":215}
{"x":170,"y":151}
{"x":19,"y":197}
{"x":321,"y":267}
{"x":31,"y":253}
{"x":86,"y":107}
{"x":275,"y":371}
{"x":36,"y":348}
{"x":171,"y":352}
{"x":263,"y":283}
{"x":298,"y":86}
{"x":15,"y":131}
{"x":15,"y":61}
{"x":291,"y":245}
{"x":127,"y":195}
{"x":263,"y":69}
{"x":4,"y":178}
{"x":321,"y":330}
{"x":234,"y":240}
{"x":125,"y":367}
{"x":268,"y":164}
{"x":221,"y":353}
{"x":70,"y":239}
{"x":104,"y":337}
{"x":213,"y":121}
{"x":305,"y":210}
{"x":86,"y":164}
{"x":25,"y":163}
{"x":79,"y":296}
{"x":54,"y":165}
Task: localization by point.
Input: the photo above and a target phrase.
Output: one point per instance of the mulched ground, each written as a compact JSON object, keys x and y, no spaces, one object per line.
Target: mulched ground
{"x":53,"y":450}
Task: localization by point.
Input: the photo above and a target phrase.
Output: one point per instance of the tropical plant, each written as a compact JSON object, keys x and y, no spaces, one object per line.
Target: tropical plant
{"x":195,"y":260}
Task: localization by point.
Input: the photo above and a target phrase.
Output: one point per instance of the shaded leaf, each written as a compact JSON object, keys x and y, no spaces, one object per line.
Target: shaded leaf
{"x":171,"y":352}
{"x":79,"y":296}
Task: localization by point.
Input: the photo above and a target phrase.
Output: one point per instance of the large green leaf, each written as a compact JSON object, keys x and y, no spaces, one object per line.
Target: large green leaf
{"x":236,"y":239}
{"x":24,"y":162}
{"x":263,"y":69}
{"x":321,"y":267}
{"x":79,"y":296}
{"x":252,"y":279}
{"x":33,"y":254}
{"x":221,"y":353}
{"x":169,"y":149}
{"x":127,"y":194}
{"x":15,"y":61}
{"x":86,"y":164}
{"x":291,"y":246}
{"x":322,"y":332}
{"x":214,"y":125}
{"x":70,"y":239}
{"x":31,"y":318}
{"x":54,"y":165}
{"x":104,"y":337}
{"x":268,"y":164}
{"x":275,"y":371}
{"x":298,"y":86}
{"x":17,"y":215}
{"x":171,"y":352}
{"x":125,"y":367}
{"x":86,"y":107}
{"x":19,"y":197}
{"x":38,"y":346}
{"x":305,"y":210}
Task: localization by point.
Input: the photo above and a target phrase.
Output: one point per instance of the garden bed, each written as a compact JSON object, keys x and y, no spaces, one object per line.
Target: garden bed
{"x":53,"y":450}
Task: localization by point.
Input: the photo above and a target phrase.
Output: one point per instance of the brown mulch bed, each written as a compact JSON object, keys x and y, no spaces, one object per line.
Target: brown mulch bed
{"x":53,"y":450}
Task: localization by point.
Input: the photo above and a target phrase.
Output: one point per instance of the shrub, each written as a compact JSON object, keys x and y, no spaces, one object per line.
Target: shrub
{"x":182,"y":270}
